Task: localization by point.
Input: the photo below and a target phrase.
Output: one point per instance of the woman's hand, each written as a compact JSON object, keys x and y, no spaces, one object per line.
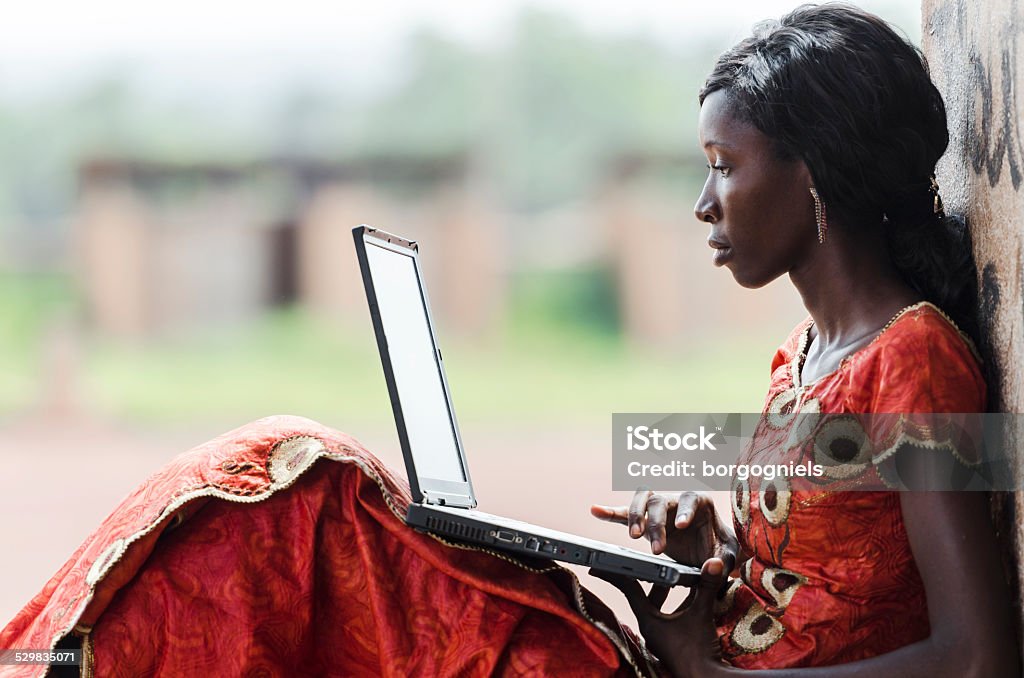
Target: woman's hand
{"x":687,"y":528}
{"x":684,"y":640}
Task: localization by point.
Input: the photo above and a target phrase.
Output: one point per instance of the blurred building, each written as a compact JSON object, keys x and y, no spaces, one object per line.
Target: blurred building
{"x":166,"y":249}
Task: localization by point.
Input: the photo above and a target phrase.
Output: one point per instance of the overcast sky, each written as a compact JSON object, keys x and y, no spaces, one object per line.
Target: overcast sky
{"x":47,"y":44}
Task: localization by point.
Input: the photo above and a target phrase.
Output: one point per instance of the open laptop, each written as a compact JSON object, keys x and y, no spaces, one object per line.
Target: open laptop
{"x":443,"y":501}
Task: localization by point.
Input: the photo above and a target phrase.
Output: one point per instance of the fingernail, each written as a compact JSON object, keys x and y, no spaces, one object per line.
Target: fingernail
{"x":634,"y":530}
{"x":656,"y":546}
{"x":715,"y":568}
{"x":682,"y":518}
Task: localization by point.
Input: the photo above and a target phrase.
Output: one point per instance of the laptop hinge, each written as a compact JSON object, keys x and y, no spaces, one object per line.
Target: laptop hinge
{"x":435,"y":498}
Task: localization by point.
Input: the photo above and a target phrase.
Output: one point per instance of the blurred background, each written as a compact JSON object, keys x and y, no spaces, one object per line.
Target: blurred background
{"x":177,"y":191}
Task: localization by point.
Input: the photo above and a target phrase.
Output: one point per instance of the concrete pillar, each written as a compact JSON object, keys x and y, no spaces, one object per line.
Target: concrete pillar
{"x":329,"y":280}
{"x":467,"y":241}
{"x":973,"y":48}
{"x":210,"y":260}
{"x":114,"y":245}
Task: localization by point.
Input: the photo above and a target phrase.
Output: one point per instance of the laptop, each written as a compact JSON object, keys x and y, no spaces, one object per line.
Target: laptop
{"x":443,"y":501}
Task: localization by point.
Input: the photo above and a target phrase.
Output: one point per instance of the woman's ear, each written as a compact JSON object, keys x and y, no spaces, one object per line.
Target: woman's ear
{"x":804,"y":175}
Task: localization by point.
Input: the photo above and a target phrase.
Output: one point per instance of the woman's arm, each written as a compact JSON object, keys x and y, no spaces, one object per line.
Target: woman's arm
{"x":954,"y":546}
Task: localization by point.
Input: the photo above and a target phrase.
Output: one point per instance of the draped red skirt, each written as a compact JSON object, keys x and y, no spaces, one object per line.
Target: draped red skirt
{"x":279,"y":549}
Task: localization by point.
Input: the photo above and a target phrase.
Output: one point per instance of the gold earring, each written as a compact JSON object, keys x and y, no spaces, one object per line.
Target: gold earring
{"x":820,"y":217}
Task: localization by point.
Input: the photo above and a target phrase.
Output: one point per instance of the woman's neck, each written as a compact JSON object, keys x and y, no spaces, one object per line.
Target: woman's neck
{"x":851,"y":289}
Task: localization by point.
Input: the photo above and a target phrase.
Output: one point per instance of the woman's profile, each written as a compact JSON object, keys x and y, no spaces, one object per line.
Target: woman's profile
{"x":280,"y":548}
{"x":822,"y":132}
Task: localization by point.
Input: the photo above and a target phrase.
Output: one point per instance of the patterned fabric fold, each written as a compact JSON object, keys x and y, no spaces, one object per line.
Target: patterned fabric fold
{"x":279,"y":549}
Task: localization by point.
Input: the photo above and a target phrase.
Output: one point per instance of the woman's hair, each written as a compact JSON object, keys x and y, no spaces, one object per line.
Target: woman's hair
{"x":838,"y":88}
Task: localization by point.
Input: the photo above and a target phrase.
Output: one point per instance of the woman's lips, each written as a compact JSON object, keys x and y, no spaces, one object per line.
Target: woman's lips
{"x":723,"y":252}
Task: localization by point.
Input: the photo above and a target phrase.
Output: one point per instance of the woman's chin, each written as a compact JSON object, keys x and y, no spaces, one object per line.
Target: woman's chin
{"x":749,"y":280}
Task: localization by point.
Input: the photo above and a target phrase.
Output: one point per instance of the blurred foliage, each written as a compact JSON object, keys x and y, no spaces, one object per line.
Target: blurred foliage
{"x":29,"y":304}
{"x":580,"y":301}
{"x":546,"y":373}
{"x":554,"y":364}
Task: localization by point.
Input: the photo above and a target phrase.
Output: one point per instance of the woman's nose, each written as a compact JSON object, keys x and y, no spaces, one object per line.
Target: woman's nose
{"x":707,"y":208}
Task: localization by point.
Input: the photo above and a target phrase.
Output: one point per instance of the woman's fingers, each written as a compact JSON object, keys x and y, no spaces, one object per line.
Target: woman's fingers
{"x":648,"y":514}
{"x":613,"y":514}
{"x":657,"y":596}
{"x":701,"y":598}
{"x":689,"y":503}
{"x":657,"y":515}
{"x":638,"y":513}
{"x":642,"y":604}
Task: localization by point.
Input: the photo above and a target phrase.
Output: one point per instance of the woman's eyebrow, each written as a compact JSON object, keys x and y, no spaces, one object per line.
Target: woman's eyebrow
{"x":719,"y":144}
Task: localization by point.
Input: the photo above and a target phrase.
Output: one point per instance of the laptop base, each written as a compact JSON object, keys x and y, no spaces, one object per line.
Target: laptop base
{"x":523,"y":539}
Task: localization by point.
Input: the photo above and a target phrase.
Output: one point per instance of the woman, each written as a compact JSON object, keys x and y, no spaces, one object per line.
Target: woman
{"x":280,"y":549}
{"x":822,"y":132}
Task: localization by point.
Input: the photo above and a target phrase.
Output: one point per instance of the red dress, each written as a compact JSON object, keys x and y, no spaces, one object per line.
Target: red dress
{"x":830,"y":576}
{"x":279,"y":550}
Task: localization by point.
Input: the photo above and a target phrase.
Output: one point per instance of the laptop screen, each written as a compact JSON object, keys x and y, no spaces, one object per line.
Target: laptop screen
{"x":414,"y":361}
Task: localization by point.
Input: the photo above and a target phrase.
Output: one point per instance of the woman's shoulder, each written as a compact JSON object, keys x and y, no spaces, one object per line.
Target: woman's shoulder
{"x":927,"y":334}
{"x":922,"y":362}
{"x":790,"y":348}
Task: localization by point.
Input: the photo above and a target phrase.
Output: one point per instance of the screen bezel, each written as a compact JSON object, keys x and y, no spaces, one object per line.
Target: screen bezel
{"x":424,"y":489}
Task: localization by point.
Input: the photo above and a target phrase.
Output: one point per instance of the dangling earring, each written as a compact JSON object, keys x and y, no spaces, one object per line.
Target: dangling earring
{"x":820,"y":216}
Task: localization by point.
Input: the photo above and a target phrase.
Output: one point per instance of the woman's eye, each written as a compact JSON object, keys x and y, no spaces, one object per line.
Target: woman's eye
{"x":721,"y":168}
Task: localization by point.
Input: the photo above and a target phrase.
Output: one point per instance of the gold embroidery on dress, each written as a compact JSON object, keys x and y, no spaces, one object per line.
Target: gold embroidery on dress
{"x":726,"y":597}
{"x":842,"y":447}
{"x":757,"y":630}
{"x":780,"y":410}
{"x":88,"y":669}
{"x":774,"y":498}
{"x":741,"y":500}
{"x":745,"y":571}
{"x":808,"y":416}
{"x":781,"y":585}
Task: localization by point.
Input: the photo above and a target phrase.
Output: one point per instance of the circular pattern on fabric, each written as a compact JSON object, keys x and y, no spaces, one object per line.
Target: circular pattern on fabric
{"x":741,"y":500}
{"x":757,"y":630}
{"x":842,"y":447}
{"x":781,"y":584}
{"x":292,"y":457}
{"x":726,"y":596}
{"x":805,"y":421}
{"x":106,"y":559}
{"x":775,"y":499}
{"x":780,"y":410}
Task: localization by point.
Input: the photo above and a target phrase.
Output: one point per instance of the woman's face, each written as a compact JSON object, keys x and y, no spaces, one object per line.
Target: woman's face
{"x":759,"y":207}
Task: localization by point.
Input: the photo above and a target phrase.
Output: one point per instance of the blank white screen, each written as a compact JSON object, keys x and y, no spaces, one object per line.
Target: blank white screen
{"x":415,"y":365}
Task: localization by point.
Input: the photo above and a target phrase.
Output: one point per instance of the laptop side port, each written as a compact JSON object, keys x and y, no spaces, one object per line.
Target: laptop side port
{"x":505,"y":535}
{"x":533,"y":544}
